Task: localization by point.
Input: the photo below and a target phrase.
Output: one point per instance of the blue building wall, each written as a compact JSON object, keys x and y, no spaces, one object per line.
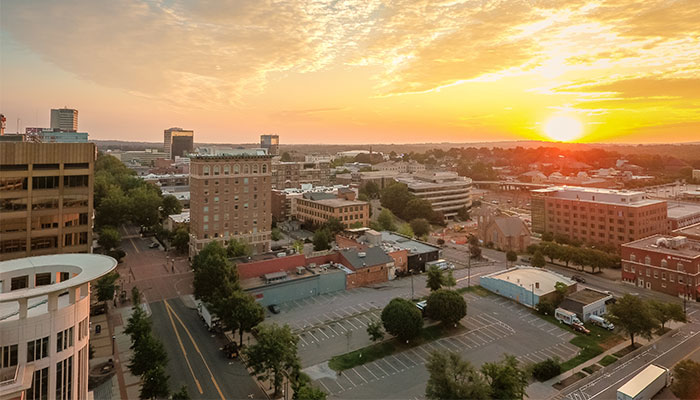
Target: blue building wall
{"x":510,"y":290}
{"x":300,"y":288}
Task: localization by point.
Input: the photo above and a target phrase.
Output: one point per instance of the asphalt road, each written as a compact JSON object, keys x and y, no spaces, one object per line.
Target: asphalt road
{"x":195,"y":359}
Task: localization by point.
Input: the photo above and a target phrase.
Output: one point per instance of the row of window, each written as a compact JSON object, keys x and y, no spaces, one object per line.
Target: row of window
{"x":236,"y":168}
{"x":44,"y":242}
{"x":671,"y":277}
{"x":40,"y":203}
{"x":664,"y":262}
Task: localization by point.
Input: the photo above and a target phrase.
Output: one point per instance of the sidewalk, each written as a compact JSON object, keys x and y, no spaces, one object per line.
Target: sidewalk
{"x":545,"y":389}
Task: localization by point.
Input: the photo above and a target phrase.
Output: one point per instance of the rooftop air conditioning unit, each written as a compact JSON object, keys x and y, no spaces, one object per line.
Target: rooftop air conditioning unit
{"x":300,"y":270}
{"x":362,"y":254}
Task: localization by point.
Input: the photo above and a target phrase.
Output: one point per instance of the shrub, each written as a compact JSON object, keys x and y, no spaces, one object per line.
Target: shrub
{"x":546,"y":369}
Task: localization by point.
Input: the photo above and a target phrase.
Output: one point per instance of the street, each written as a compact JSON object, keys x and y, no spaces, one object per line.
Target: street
{"x":195,"y":358}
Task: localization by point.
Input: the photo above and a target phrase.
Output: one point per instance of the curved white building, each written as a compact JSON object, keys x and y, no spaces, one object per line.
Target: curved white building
{"x":44,"y":324}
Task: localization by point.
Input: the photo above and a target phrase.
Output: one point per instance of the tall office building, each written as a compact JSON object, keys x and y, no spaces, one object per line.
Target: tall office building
{"x":230,"y":199}
{"x":45,"y":325}
{"x":271,"y":143}
{"x":446,"y":192}
{"x":594,"y":215}
{"x":178,"y":142}
{"x":64,"y":119}
{"x":46,"y":198}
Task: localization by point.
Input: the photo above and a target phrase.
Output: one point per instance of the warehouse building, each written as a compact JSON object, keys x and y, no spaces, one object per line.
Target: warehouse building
{"x":526,"y":285}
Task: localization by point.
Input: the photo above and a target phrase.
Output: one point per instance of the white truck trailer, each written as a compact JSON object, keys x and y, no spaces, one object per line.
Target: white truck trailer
{"x":211,"y":320}
{"x":566,"y":317}
{"x":645,"y":384}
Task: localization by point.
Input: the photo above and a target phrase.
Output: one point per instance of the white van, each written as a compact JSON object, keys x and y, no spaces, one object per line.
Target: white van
{"x":601,"y":322}
{"x":566,"y":317}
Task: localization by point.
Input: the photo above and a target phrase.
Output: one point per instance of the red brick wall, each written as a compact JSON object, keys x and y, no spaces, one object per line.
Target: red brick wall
{"x":400,"y":259}
{"x":345,"y":242}
{"x":259,"y":268}
{"x":660,"y":277}
{"x":366,"y":276}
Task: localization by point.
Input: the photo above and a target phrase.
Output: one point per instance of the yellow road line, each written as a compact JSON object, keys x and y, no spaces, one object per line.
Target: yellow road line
{"x":196,"y":348}
{"x":184,"y":352}
{"x":134,"y":244}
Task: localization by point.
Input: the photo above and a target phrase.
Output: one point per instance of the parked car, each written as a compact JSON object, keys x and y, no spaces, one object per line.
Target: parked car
{"x":274,"y":308}
{"x":578,"y":278}
{"x":601,"y":322}
{"x":154,"y":245}
{"x":526,"y":259}
{"x":421,"y":305}
{"x":581,"y":328}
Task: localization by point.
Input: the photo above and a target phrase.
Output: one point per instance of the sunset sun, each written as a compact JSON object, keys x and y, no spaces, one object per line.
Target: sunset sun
{"x":563,"y":128}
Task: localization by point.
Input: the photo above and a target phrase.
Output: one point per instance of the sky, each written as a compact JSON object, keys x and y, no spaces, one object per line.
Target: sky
{"x":357,"y":71}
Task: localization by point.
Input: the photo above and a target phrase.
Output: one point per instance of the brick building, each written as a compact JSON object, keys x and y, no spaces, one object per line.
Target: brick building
{"x":318,"y":208}
{"x":293,"y":174}
{"x":595,"y":215}
{"x":506,"y":233}
{"x":46,"y":198}
{"x":230,"y":198}
{"x":663,"y":263}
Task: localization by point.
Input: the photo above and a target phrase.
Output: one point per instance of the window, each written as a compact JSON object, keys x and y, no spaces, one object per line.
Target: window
{"x":37,"y":349}
{"x":264,"y":168}
{"x":64,"y":379}
{"x":664,"y":263}
{"x":45,"y":182}
{"x":76,"y":181}
{"x":12,"y":184}
{"x":663,"y":276}
{"x":19,"y":282}
{"x":647,"y":260}
{"x":64,"y":339}
{"x":40,"y":385}
{"x":671,"y":277}
{"x":74,"y":166}
{"x":8,"y":356}
{"x":633,"y":257}
{"x":42,"y":279}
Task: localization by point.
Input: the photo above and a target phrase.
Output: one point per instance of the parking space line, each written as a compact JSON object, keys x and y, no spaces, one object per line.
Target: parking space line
{"x":562,"y":334}
{"x":476,"y":344}
{"x":360,"y":322}
{"x":463,"y":342}
{"x":334,"y":332}
{"x":368,"y":370}
{"x":358,"y":374}
{"x":338,"y":315}
{"x":539,"y":357}
{"x":417,"y":355}
{"x":345,"y":375}
{"x":302,"y":339}
{"x":533,"y":320}
{"x":376,"y":364}
{"x":351,"y":324}
{"x":561,"y":353}
{"x":427,"y":353}
{"x":400,"y":362}
{"x":365,"y":317}
{"x":324,"y":333}
{"x":531,"y":359}
{"x":394,"y":368}
{"x":312,"y":335}
{"x":441,"y":344}
{"x":340,"y":326}
{"x":324,"y":386}
{"x":542,"y":324}
{"x":354,"y":309}
{"x":549,"y":351}
{"x":406,"y":358}
{"x":477,"y":335}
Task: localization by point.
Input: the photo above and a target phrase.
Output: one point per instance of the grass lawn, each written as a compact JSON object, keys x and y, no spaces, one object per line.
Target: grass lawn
{"x":477,"y":290}
{"x":607,"y":360}
{"x":591,"y":345}
{"x":389,"y":347}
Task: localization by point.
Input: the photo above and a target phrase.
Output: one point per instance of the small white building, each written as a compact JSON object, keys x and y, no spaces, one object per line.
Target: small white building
{"x":586,"y":302}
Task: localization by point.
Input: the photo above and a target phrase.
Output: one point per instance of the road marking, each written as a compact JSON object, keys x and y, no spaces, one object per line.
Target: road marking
{"x":417,"y":355}
{"x":324,"y":333}
{"x":134,"y":244}
{"x":324,"y":386}
{"x":394,"y":368}
{"x":216,"y":385}
{"x":351,"y":324}
{"x":184,"y":352}
{"x":312,"y":335}
{"x":331,"y":328}
{"x":349,"y":380}
{"x":376,"y":364}
{"x":368,"y":370}
{"x":400,"y":362}
{"x":358,"y":374}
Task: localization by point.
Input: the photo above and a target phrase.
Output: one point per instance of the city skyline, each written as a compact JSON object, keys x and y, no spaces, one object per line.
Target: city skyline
{"x":589,"y":71}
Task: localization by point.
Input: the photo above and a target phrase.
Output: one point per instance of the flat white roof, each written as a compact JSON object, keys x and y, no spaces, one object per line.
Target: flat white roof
{"x":86,"y":267}
{"x":641,"y":380}
{"x":528,"y":276}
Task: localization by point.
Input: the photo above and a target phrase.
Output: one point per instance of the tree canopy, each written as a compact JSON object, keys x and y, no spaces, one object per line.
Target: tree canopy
{"x":434,"y":278}
{"x":686,"y":380}
{"x":420,"y":226}
{"x":214,"y":276}
{"x":664,"y":312}
{"x":386,"y":220}
{"x":506,"y":378}
{"x":106,"y":286}
{"x":446,"y":306}
{"x":453,"y":378}
{"x":274,"y":354}
{"x":633,"y":316}
{"x":402,"y":319}
{"x":239,"y":311}
{"x":322,"y":239}
{"x":109,"y":238}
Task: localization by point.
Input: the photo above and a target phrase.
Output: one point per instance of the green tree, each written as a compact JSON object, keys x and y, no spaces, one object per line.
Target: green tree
{"x":547,"y":369}
{"x":406,"y":230}
{"x":475,"y":251}
{"x":333,"y":226}
{"x":560,"y":289}
{"x":109,"y":238}
{"x":434,"y":278}
{"x":686,"y":380}
{"x":322,"y":240}
{"x":298,"y":246}
{"x":154,"y":384}
{"x":113,"y":209}
{"x":181,"y":394}
{"x":402,"y":319}
{"x":551,"y":250}
{"x":446,"y":306}
{"x":511,"y":256}
{"x":395,"y":197}
{"x":371,"y":189}
{"x":274,"y":354}
{"x":308,"y":392}
{"x":633,"y":316}
{"x":545,"y":307}
{"x":538,"y":259}
{"x":148,"y":354}
{"x":547,"y":237}
{"x":417,"y":208}
{"x":276,"y":234}
{"x":374,"y":330}
{"x":214,"y":276}
{"x":144,"y":205}
{"x":181,"y":239}
{"x":453,"y":378}
{"x":106,"y":286}
{"x":450,"y":280}
{"x":386,"y":220}
{"x":239,"y":311}
{"x":506,"y":378}
{"x":138,"y":325}
{"x":665,"y":312}
{"x":171,"y":205}
{"x":420,"y":226}
{"x":238,"y":248}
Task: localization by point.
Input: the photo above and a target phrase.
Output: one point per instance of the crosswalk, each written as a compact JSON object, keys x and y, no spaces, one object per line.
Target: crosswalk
{"x":482,"y":330}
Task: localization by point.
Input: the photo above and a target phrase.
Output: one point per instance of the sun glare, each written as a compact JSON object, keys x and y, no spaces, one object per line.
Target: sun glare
{"x":563,"y":128}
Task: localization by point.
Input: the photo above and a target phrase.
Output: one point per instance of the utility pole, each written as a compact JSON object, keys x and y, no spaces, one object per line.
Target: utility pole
{"x":411,"y":271}
{"x":469,"y":269}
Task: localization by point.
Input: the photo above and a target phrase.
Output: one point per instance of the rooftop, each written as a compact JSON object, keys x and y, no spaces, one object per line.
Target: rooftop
{"x":587,"y":296}
{"x":664,"y":244}
{"x":692,"y":230}
{"x":367,"y":258}
{"x":183,"y":217}
{"x":599,"y":195}
{"x":682,"y":210}
{"x":527,"y":277}
{"x":402,"y":242}
{"x":335,"y":202}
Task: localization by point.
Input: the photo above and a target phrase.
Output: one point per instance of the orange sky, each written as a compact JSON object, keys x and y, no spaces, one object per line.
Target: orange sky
{"x":356,"y":71}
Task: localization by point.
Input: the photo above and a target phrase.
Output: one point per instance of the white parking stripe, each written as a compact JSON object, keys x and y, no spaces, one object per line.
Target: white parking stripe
{"x":348,"y":378}
{"x":312,"y":335}
{"x":324,"y":333}
{"x":302,"y":339}
{"x":368,"y":370}
{"x":400,"y":362}
{"x":324,"y":386}
{"x":358,"y":374}
{"x":376,"y":364}
{"x":353,"y":325}
{"x":417,"y":355}
{"x":392,"y":367}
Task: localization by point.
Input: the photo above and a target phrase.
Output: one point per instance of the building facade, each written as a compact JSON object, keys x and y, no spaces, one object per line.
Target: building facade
{"x":271,"y":143}
{"x":447,"y":192}
{"x":663,"y":263}
{"x":597,"y":215}
{"x":177,"y":142}
{"x":230,"y":199}
{"x":507,"y":233}
{"x":64,"y":119}
{"x":45,"y":325}
{"x":46,"y":198}
{"x":318,"y":208}
{"x":293,"y":174}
